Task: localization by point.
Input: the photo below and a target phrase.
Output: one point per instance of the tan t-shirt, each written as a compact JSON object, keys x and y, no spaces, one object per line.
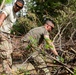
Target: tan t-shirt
{"x":8,"y":22}
{"x":36,"y":33}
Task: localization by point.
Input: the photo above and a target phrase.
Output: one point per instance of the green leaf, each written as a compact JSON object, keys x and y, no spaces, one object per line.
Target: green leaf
{"x":0,"y":1}
{"x":33,"y":41}
{"x":61,"y":59}
{"x":27,"y":73}
{"x":8,"y":1}
{"x":75,"y":72}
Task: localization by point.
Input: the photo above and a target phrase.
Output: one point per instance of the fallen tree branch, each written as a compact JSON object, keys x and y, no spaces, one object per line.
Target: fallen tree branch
{"x":64,"y":65}
{"x":73,"y":50}
{"x":50,"y":57}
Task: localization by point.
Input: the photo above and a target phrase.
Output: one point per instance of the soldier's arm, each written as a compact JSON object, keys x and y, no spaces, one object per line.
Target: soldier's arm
{"x":53,"y":49}
{"x":2,"y":18}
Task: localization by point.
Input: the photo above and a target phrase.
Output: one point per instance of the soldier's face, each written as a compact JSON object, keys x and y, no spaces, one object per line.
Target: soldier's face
{"x":17,"y":6}
{"x":50,"y":26}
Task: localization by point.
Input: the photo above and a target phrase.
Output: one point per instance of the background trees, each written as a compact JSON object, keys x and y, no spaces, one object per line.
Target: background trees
{"x":63,"y":12}
{"x":3,"y":2}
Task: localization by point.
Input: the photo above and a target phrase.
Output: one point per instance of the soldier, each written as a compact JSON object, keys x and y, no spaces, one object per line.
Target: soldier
{"x":39,"y":33}
{"x":7,"y":18}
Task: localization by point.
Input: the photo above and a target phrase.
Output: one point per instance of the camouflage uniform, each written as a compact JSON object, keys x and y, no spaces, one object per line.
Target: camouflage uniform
{"x":5,"y":43}
{"x":37,"y":34}
{"x":5,"y":52}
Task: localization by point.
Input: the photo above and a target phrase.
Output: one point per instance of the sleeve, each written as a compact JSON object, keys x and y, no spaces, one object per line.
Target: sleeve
{"x":6,"y":10}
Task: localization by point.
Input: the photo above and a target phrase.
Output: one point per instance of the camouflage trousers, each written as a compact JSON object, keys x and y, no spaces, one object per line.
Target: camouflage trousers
{"x":36,"y":56}
{"x":5,"y":53}
{"x":41,"y":63}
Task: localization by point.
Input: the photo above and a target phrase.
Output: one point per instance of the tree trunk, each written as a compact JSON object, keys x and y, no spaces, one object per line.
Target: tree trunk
{"x":2,"y":4}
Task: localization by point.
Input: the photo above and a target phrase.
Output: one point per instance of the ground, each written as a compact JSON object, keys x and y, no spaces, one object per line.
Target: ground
{"x":68,"y":53}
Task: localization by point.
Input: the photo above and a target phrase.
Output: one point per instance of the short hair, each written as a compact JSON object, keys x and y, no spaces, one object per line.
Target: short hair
{"x":22,"y":1}
{"x":49,"y":20}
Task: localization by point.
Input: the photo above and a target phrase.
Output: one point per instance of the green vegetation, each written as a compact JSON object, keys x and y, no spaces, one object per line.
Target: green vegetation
{"x":6,"y":1}
{"x":63,"y":12}
{"x":75,"y":72}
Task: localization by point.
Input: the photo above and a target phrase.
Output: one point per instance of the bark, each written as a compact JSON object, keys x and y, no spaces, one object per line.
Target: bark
{"x":2,"y":4}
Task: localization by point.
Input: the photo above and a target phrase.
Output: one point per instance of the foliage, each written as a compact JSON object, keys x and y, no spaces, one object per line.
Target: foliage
{"x":22,"y":72}
{"x":47,"y":46}
{"x":6,"y":1}
{"x":61,"y":59}
{"x":43,"y":7}
{"x":75,"y":72}
{"x":66,"y":21}
{"x":33,"y":41}
{"x":0,"y":2}
{"x":24,"y":24}
{"x":63,"y":12}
